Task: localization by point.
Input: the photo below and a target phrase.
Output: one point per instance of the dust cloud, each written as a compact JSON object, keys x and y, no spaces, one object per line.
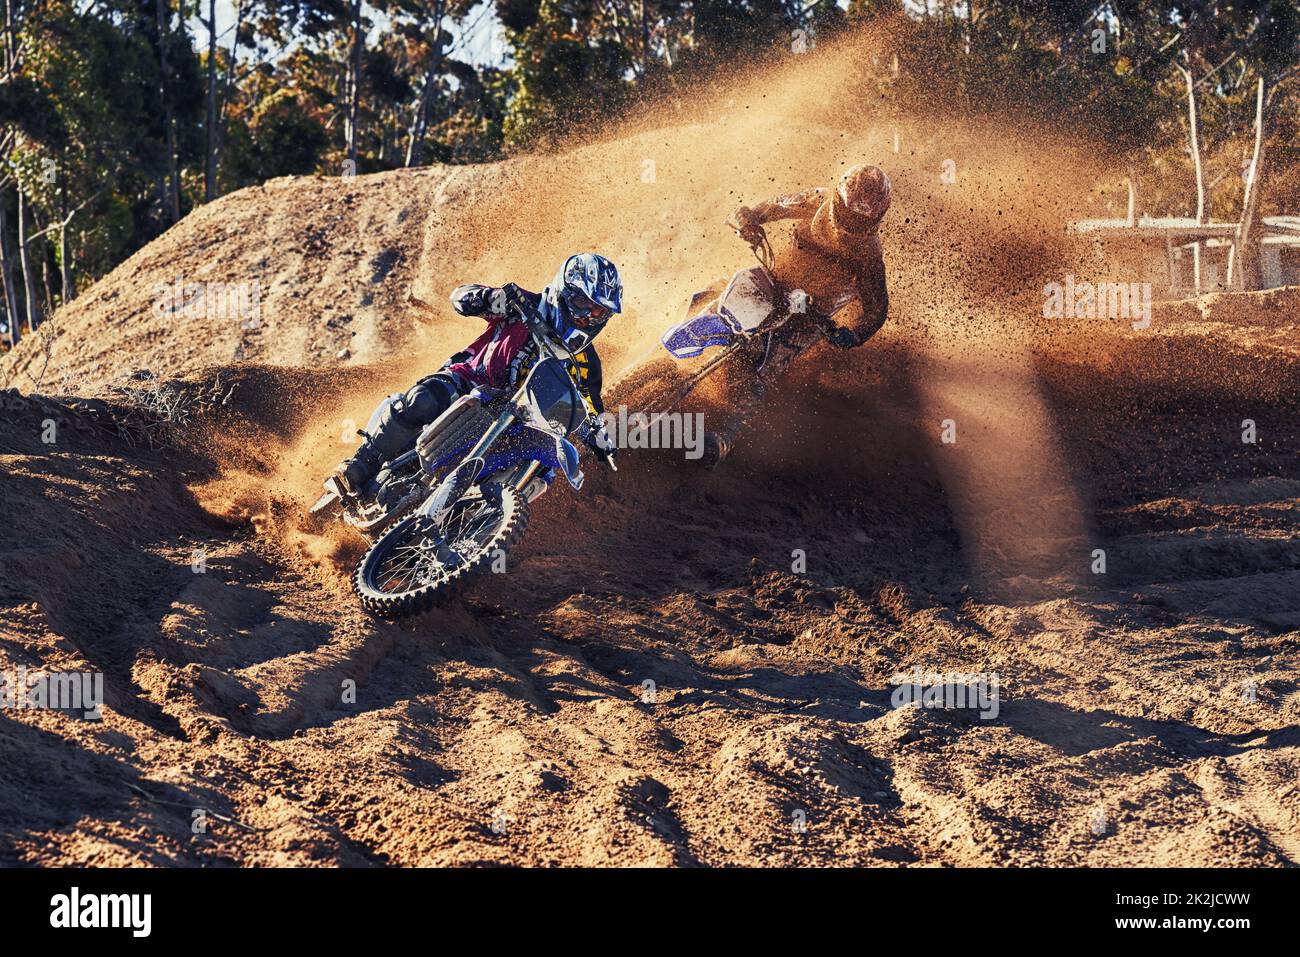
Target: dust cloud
{"x":977,"y":226}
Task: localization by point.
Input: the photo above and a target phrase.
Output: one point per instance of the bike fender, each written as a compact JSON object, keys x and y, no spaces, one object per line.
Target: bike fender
{"x":688,"y":339}
{"x":450,"y":490}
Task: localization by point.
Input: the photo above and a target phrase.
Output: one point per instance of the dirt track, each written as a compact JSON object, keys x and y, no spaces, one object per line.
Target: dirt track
{"x":522,"y":707}
{"x":1158,"y":700}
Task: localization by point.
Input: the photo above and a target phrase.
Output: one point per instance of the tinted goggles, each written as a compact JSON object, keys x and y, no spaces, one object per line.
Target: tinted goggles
{"x":584,"y":312}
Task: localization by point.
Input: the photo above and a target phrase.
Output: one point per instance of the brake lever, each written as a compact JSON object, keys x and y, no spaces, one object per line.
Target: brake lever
{"x":520,"y":309}
{"x":756,"y":239}
{"x":590,"y":426}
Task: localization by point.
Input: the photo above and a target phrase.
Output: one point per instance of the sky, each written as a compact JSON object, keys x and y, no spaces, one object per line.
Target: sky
{"x":483,"y":43}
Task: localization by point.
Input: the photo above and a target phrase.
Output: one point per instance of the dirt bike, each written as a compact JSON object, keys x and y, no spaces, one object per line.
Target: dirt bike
{"x":443,"y":512}
{"x":750,"y":312}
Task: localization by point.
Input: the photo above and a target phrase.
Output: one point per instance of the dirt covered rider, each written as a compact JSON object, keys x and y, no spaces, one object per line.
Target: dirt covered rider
{"x":834,"y":256}
{"x":585,"y":293}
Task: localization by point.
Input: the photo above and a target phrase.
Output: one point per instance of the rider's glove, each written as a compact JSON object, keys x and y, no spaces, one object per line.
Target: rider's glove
{"x":500,"y":300}
{"x":597,"y":438}
{"x":843,"y":337}
{"x":747,"y":225}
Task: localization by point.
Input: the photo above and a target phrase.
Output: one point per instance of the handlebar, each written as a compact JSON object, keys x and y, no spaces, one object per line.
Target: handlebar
{"x":521,"y":307}
{"x":755,"y":236}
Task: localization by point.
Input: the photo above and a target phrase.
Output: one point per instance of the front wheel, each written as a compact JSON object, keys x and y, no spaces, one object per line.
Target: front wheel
{"x":419,"y":563}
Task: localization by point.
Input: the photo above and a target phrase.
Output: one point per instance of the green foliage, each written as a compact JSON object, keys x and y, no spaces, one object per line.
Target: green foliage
{"x":280,"y":138}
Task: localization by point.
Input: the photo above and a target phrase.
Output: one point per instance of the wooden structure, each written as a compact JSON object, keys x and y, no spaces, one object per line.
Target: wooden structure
{"x":1198,"y":258}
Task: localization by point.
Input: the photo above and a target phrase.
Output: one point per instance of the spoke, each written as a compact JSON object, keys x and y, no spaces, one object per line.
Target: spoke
{"x":459,"y":519}
{"x":426,"y":555}
{"x":408,"y":564}
{"x":473,"y":521}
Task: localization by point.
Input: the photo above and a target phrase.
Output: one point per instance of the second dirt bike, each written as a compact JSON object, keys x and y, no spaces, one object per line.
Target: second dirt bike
{"x":746,"y":314}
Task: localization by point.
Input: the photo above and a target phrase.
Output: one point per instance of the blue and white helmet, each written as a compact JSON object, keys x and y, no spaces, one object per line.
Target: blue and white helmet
{"x":581,"y":298}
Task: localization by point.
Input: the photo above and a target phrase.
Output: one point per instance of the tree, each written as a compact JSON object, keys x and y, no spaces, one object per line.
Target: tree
{"x":425,"y":30}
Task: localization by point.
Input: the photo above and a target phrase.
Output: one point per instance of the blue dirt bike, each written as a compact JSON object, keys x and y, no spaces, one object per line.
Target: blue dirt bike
{"x":451,"y":507}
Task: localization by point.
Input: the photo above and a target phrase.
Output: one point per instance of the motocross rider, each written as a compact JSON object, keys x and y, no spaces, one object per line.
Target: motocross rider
{"x":584,"y":294}
{"x":834,"y":256}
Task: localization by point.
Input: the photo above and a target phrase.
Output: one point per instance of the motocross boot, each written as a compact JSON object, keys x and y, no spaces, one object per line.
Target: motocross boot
{"x":716,"y":448}
{"x":400,"y":418}
{"x":354,"y":474}
{"x":718,"y":445}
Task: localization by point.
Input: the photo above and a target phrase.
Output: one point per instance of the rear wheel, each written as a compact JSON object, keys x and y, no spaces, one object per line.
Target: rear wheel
{"x":419,"y":563}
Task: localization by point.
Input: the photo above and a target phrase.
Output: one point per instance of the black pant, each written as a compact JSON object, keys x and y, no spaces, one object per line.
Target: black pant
{"x":403,"y":418}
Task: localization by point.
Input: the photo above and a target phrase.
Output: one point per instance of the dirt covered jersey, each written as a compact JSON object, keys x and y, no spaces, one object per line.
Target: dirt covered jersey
{"x":842,"y":272}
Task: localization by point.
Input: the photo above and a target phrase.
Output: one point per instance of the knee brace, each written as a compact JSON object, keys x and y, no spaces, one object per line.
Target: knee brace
{"x":428,"y":399}
{"x":401,"y":417}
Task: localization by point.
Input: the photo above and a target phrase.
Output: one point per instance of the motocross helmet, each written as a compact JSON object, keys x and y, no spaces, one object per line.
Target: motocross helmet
{"x":582,"y":297}
{"x":864,"y":191}
{"x":853,"y":209}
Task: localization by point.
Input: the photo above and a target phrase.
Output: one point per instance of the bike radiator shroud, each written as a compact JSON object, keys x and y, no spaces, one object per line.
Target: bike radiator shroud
{"x":463,"y":422}
{"x":551,"y":404}
{"x":749,"y":301}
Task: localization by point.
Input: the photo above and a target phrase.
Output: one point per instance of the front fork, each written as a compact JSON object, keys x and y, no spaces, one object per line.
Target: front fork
{"x":525,"y":477}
